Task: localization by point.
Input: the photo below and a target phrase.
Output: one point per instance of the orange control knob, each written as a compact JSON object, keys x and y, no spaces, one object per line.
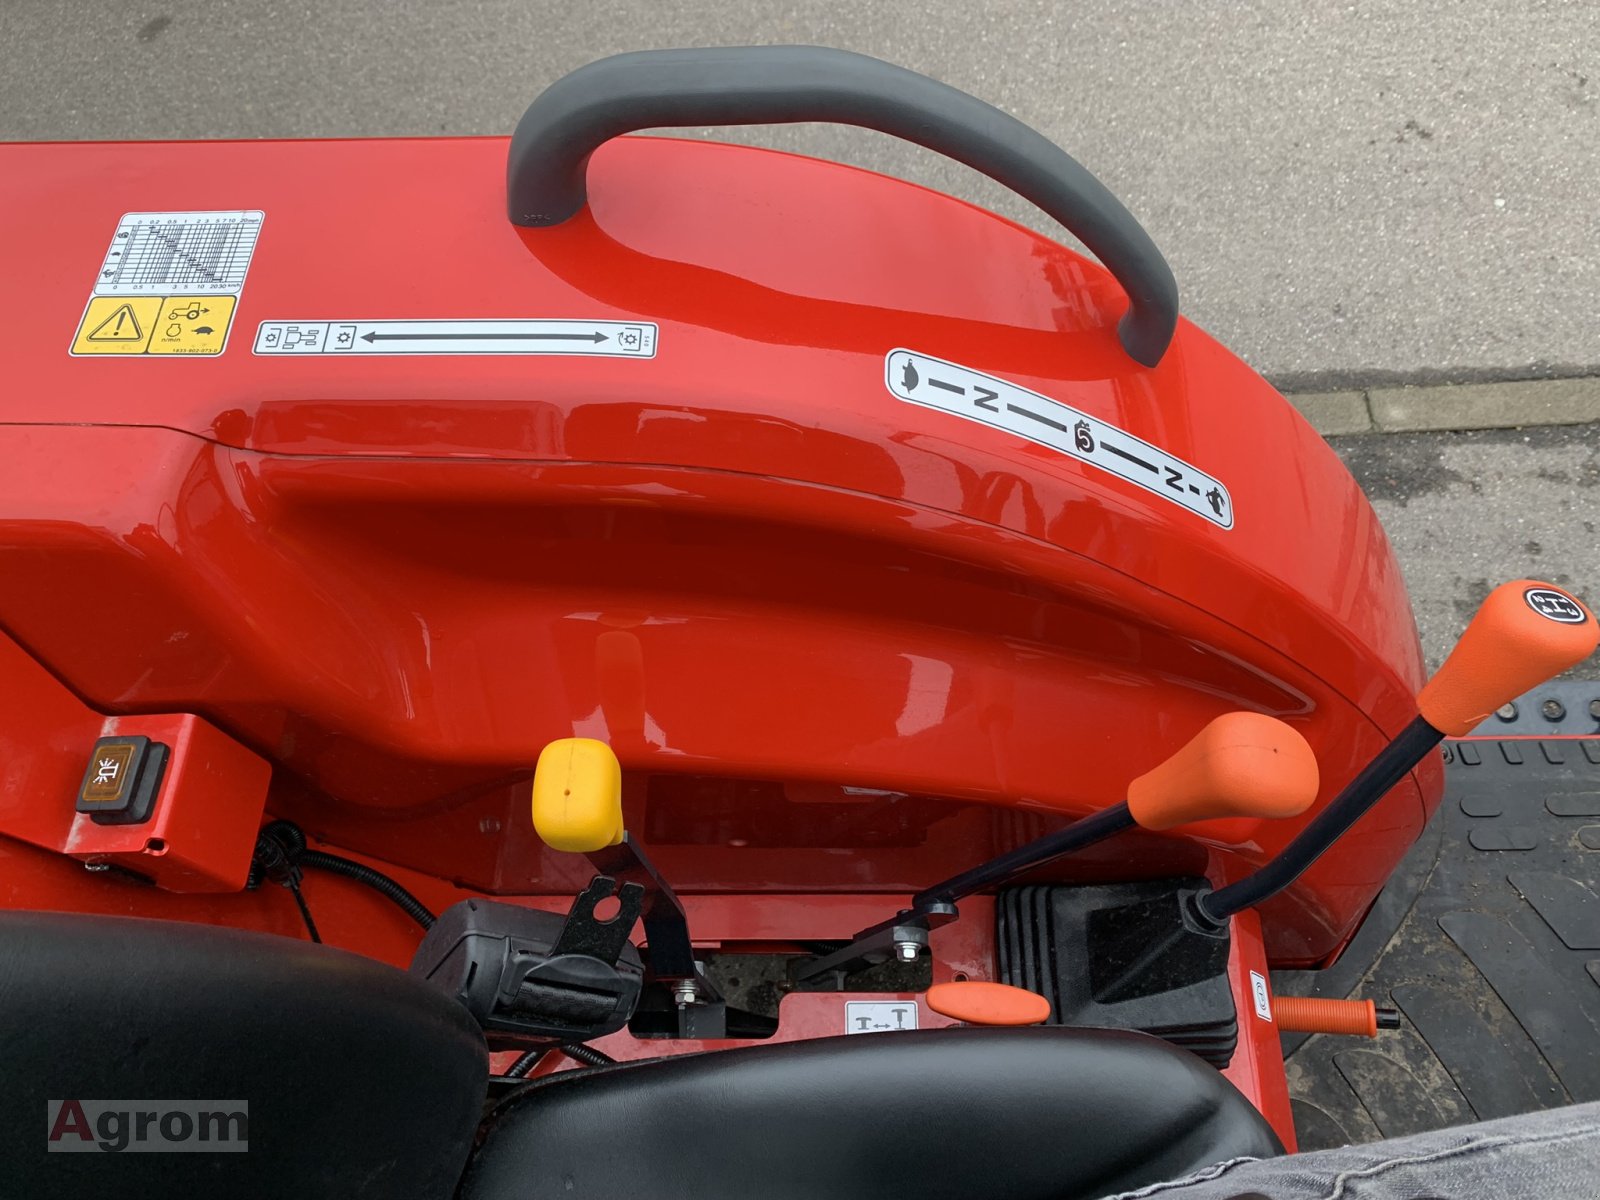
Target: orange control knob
{"x":1524,"y":633}
{"x":1241,"y":765}
{"x":980,"y":1003}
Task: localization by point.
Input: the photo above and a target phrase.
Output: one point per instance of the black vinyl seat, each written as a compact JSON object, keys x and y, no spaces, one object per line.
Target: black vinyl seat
{"x":954,"y":1114}
{"x":359,"y":1080}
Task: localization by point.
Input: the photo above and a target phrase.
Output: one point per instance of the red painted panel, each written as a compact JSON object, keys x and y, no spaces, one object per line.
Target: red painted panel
{"x":202,"y":828}
{"x":202,"y":831}
{"x":1257,"y":1068}
{"x":839,"y":641}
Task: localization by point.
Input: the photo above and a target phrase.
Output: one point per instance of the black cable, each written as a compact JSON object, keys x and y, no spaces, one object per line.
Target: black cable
{"x":819,"y":949}
{"x":281,"y":852}
{"x":376,"y":880}
{"x":527,"y":1061}
{"x":276,"y":857}
{"x":311,"y":926}
{"x":588,"y":1055}
{"x":577,"y":1051}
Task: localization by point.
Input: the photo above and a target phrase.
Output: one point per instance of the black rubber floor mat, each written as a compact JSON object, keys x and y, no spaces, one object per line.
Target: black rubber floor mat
{"x":1488,"y":941}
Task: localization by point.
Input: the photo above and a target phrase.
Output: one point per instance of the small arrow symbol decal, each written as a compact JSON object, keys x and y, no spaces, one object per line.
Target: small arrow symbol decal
{"x":596,"y":337}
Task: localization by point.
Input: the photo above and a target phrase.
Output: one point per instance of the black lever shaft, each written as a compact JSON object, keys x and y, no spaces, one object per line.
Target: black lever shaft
{"x":1392,"y":764}
{"x":1003,"y":868}
{"x":935,"y":906}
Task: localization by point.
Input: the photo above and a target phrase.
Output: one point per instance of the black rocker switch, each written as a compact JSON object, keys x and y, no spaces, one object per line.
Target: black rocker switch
{"x":123,"y":778}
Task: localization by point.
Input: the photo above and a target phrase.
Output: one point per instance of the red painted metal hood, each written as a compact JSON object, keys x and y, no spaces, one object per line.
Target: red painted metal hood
{"x":769,"y":580}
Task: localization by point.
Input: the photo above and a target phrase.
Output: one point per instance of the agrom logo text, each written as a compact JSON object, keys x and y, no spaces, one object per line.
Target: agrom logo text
{"x":148,"y":1126}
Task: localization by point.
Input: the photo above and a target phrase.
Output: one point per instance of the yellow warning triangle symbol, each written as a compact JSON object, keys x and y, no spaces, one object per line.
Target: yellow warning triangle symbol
{"x":120,"y":326}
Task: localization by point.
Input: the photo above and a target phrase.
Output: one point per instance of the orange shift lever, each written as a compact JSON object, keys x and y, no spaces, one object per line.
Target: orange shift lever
{"x":1524,"y":633}
{"x":1240,"y":765}
{"x":1243,"y":764}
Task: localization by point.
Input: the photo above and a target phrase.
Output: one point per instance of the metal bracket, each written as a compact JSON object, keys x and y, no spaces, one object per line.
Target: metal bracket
{"x":903,"y":936}
{"x":666,"y":930}
{"x":587,"y":935}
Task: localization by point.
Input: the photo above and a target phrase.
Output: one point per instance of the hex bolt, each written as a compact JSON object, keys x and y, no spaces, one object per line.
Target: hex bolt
{"x":906,"y":951}
{"x":685,"y":993}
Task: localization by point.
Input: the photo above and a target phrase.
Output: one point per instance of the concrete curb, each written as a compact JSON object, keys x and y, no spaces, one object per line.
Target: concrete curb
{"x":1452,"y":406}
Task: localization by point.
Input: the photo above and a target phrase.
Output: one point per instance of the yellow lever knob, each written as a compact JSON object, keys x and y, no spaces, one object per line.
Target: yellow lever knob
{"x":577,"y":796}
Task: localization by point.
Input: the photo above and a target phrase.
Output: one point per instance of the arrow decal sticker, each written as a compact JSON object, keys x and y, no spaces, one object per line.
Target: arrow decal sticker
{"x":607,"y":339}
{"x":374,"y":336}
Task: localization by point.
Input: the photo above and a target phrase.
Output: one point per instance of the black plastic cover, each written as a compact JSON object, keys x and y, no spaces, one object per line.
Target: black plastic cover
{"x":1122,"y":956}
{"x":530,"y":977}
{"x":947,"y":1114}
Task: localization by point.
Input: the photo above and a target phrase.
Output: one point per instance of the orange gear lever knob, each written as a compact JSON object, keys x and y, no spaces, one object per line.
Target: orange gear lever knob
{"x":1524,"y":633}
{"x":1243,"y":764}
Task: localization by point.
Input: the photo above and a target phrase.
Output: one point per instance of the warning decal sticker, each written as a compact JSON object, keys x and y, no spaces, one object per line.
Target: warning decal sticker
{"x":1260,"y":994}
{"x":169,"y":284}
{"x":610,"y":339}
{"x":115,"y":326}
{"x":934,"y":383}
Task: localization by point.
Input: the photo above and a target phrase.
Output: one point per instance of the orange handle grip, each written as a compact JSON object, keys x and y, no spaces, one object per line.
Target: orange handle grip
{"x":1524,"y":633}
{"x":980,"y":1003}
{"x":1243,"y":764}
{"x":1311,"y":1014}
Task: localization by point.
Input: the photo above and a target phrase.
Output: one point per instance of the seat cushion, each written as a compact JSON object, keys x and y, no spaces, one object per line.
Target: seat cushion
{"x":359,"y":1080}
{"x":952,"y":1114}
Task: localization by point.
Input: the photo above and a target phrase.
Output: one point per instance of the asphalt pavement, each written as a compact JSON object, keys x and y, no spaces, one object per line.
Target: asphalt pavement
{"x":1352,"y":195}
{"x":1391,"y":190}
{"x":1467,"y":511}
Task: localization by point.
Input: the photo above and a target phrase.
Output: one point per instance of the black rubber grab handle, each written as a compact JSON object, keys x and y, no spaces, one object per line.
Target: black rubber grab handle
{"x":770,"y":85}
